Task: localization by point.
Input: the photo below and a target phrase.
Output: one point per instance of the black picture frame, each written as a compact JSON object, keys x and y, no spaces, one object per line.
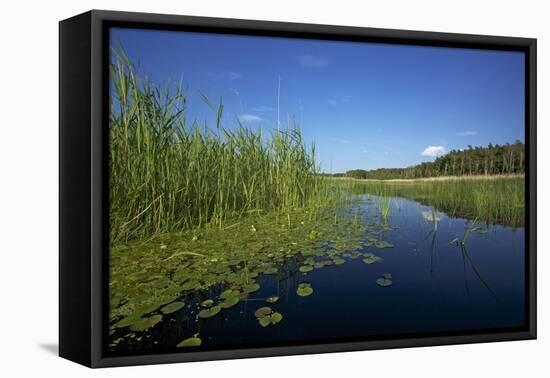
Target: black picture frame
{"x":83,"y":180}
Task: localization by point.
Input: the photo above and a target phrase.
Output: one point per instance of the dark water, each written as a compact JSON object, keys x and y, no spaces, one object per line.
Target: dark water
{"x":437,"y":286}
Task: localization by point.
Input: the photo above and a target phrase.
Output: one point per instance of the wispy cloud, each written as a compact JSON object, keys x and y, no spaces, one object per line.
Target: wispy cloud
{"x":434,"y":151}
{"x":466,"y":133}
{"x":313,"y":61}
{"x":250,"y":118}
{"x":339,"y":99}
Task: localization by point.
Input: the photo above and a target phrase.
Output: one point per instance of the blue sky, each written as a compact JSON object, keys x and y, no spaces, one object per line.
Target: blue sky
{"x":363,"y":105}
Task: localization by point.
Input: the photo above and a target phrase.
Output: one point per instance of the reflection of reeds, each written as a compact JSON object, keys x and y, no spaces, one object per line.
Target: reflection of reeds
{"x":170,"y":173}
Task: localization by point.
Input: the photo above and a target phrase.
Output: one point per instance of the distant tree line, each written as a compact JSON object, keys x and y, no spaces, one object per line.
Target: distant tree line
{"x":491,"y":160}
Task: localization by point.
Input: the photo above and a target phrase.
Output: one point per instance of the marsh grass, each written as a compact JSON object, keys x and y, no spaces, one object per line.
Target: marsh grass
{"x":490,"y":199}
{"x":169,"y":173}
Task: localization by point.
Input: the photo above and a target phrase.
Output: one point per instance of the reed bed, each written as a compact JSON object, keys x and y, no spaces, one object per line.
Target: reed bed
{"x":169,"y":173}
{"x":491,"y":199}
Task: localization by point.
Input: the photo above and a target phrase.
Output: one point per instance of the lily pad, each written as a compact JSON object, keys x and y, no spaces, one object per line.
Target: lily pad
{"x":262,"y":312}
{"x":190,"y":285}
{"x":372,"y":259}
{"x":145,"y":309}
{"x":229,"y":293}
{"x":383,"y":244}
{"x":190,"y":342}
{"x":145,"y":323}
{"x":305,"y":268}
{"x":272,"y":299}
{"x":230,"y":302}
{"x":210,"y":312}
{"x":276,"y":317}
{"x":251,"y":288}
{"x":304,"y":289}
{"x":125,"y":322}
{"x":207,"y":303}
{"x":384,"y":282}
{"x":339,"y":261}
{"x":272,"y":319}
{"x":271,"y":270}
{"x":172,"y":307}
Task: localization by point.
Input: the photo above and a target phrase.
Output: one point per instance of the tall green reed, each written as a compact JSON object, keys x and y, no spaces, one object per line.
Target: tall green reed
{"x":170,"y":173}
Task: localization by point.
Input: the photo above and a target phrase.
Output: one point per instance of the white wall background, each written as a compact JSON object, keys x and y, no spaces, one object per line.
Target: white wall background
{"x":29,"y":188}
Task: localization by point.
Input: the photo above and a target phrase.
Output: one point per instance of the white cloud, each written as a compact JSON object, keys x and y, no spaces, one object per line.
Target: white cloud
{"x":250,"y":118}
{"x":467,"y":133}
{"x":339,"y":99}
{"x":434,"y":151}
{"x":312,"y":61}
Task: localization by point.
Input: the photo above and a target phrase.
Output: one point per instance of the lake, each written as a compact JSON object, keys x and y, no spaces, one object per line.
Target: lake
{"x":432,"y":282}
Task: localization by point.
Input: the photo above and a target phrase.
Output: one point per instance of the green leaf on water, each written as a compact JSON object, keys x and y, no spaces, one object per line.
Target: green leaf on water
{"x":305,"y":268}
{"x":125,"y":322}
{"x":230,"y":302}
{"x":262,"y":312}
{"x":266,"y":318}
{"x":265,"y":321}
{"x":172,"y":307}
{"x":304,"y":289}
{"x":190,"y":342}
{"x":207,"y":303}
{"x":229,"y":293}
{"x":190,"y":285}
{"x":276,"y":317}
{"x":372,"y":259}
{"x":384,"y":282}
{"x":208,"y":313}
{"x":272,"y":299}
{"x":251,"y":288}
{"x":271,"y":270}
{"x":383,"y":244}
{"x":145,"y":323}
{"x":339,"y":261}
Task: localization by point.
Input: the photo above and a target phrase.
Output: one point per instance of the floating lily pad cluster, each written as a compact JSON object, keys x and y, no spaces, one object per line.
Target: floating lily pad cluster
{"x":266,"y":316}
{"x":371,"y":258}
{"x":385,"y":280}
{"x":304,"y":289}
{"x":179,"y":272}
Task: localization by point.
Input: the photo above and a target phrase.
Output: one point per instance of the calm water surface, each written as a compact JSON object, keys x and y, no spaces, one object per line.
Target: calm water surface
{"x":437,"y":286}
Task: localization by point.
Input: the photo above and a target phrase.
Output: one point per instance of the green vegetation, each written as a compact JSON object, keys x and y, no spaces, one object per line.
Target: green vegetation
{"x":169,"y":173}
{"x":204,"y":219}
{"x":505,"y":159}
{"x":491,"y":199}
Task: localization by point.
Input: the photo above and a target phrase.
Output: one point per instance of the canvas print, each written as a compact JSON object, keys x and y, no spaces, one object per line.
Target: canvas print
{"x":272,"y":191}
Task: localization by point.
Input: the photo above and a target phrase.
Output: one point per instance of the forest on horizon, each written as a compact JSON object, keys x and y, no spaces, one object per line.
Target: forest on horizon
{"x":491,"y":160}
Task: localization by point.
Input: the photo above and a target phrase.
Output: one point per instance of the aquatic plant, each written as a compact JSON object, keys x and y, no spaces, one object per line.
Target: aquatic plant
{"x":471,"y":228}
{"x":493,"y":199}
{"x":385,"y":280}
{"x":169,"y":172}
{"x":194,"y":341}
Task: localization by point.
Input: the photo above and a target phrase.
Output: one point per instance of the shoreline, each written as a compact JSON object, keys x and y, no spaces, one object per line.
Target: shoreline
{"x":439,"y":178}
